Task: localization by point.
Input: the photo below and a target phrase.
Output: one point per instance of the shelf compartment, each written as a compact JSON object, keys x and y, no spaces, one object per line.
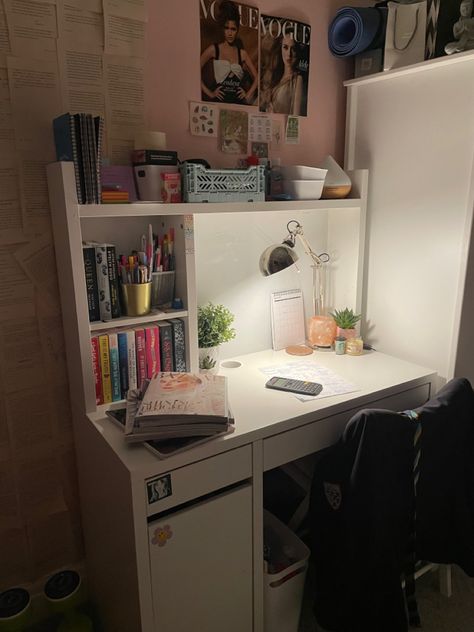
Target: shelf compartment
{"x":129,"y":321}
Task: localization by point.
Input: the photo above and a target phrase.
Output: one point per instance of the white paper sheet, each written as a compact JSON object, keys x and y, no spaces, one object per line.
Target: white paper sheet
{"x":81,"y":28}
{"x":124,"y":36}
{"x":260,"y":128}
{"x":82,"y":79}
{"x":32,"y":27}
{"x":132,"y":9}
{"x":310,"y":371}
{"x":5,"y":48}
{"x":10,"y":205}
{"x":36,"y":101}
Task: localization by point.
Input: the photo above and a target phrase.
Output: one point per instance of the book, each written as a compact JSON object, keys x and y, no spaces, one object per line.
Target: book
{"x":114,"y":366}
{"x":167,"y":447}
{"x":179,"y":344}
{"x":152,"y":347}
{"x":175,"y":405}
{"x":123,"y":362}
{"x":140,"y":347}
{"x":92,"y":145}
{"x":86,"y":159}
{"x":99,"y":137}
{"x":66,"y":144}
{"x":132,"y":359}
{"x":166,"y":346}
{"x":95,"y":351}
{"x":103,"y":284}
{"x":88,"y":253}
{"x":105,"y":368}
{"x":113,"y":281}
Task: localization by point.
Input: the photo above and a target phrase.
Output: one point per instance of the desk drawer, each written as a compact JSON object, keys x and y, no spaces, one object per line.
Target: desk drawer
{"x":294,"y":444}
{"x":192,"y":481}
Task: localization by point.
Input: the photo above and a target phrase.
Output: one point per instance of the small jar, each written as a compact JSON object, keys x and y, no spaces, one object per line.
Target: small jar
{"x":340,"y":345}
{"x":354,"y":346}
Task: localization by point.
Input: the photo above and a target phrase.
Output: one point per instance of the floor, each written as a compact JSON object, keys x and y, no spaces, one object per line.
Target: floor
{"x":438,"y":613}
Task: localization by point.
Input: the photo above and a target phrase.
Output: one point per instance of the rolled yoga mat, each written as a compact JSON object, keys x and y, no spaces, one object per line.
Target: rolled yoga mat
{"x":354,"y":30}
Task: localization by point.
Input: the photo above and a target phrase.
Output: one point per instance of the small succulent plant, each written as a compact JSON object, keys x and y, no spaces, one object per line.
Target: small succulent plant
{"x":345,"y":318}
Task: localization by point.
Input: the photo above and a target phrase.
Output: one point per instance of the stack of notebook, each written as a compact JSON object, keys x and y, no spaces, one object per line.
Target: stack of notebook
{"x":78,"y":138}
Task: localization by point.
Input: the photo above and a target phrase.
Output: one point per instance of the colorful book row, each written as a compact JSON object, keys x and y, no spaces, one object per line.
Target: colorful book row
{"x":122,"y":359}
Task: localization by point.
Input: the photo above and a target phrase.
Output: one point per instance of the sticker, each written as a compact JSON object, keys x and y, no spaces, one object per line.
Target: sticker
{"x":292,"y":130}
{"x":162,"y":535}
{"x":159,"y":488}
{"x":202,"y":119}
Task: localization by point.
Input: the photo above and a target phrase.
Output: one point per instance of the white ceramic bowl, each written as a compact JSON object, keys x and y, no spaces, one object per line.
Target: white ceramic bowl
{"x":301,"y":172}
{"x":303,"y":189}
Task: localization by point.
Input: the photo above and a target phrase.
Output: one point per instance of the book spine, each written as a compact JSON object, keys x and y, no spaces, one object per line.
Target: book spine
{"x":114,"y":367}
{"x":113,"y":282}
{"x":90,"y":128}
{"x":123,"y":362}
{"x":166,"y":346}
{"x":91,"y":283}
{"x":99,"y":136}
{"x":132,"y":360}
{"x":152,"y":350}
{"x":99,"y":396}
{"x":141,"y":356}
{"x":179,"y":345}
{"x":105,"y":368}
{"x":103,"y":282}
{"x":86,"y":163}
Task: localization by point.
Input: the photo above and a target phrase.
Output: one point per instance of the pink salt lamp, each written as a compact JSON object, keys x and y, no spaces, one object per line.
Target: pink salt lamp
{"x":321,"y":331}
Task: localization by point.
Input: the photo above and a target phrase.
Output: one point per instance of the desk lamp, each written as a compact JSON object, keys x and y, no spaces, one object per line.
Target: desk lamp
{"x":321,"y":328}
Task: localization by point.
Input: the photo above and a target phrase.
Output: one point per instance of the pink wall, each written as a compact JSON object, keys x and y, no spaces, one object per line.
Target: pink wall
{"x":173,"y":79}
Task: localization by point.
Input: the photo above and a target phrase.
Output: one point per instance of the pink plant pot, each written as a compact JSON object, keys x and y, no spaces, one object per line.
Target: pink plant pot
{"x":347,"y":333}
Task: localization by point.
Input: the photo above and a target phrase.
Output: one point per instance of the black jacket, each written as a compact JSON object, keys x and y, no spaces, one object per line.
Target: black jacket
{"x":362,"y":508}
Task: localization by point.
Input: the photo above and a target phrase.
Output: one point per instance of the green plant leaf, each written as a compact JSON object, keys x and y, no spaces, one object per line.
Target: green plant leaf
{"x":345,"y":318}
{"x":214,"y":325}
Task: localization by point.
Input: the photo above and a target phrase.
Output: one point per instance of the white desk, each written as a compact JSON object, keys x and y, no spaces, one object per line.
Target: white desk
{"x":208,"y":576}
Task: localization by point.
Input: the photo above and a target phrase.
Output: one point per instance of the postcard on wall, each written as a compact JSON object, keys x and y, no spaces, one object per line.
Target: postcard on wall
{"x":233,"y":132}
{"x":259,"y":149}
{"x":284,"y":65}
{"x":292,"y":135}
{"x":276,"y":132}
{"x":260,"y":128}
{"x":202,"y":119}
{"x":229,"y":52}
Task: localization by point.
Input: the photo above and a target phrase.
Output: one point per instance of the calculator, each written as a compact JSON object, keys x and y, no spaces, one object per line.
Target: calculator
{"x":294,"y":386}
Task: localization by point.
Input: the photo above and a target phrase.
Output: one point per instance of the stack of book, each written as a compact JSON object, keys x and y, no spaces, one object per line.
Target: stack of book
{"x":124,"y":359}
{"x":78,"y":138}
{"x":102,"y":284}
{"x":177,"y":405}
{"x":114,"y":196}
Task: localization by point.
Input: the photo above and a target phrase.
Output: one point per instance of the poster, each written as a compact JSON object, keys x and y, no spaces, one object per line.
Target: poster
{"x":233,"y":132}
{"x":284,"y":65}
{"x":229,"y":52}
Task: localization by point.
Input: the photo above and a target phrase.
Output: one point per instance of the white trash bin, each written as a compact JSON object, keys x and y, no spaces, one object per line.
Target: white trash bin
{"x":284,"y":588}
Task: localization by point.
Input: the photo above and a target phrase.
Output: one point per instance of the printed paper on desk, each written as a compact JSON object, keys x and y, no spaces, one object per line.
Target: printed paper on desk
{"x":287,"y":319}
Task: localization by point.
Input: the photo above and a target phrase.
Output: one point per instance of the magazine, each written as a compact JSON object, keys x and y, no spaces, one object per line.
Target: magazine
{"x":173,"y":404}
{"x":229,"y":52}
{"x":284,"y":65}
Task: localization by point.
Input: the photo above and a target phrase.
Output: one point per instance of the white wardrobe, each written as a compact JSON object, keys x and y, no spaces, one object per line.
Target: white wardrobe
{"x":413,"y":129}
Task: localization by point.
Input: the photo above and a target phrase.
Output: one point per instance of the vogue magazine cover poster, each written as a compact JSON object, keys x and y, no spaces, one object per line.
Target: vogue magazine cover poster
{"x":284,"y":65}
{"x":229,"y":52}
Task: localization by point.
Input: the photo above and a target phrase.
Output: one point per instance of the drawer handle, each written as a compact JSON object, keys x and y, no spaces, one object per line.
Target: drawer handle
{"x":161,"y":535}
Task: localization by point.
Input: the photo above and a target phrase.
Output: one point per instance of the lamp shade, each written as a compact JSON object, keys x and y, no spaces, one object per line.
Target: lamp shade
{"x":276,"y":258}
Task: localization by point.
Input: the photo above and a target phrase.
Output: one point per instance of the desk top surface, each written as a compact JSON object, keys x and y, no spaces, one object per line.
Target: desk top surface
{"x":261,"y":412}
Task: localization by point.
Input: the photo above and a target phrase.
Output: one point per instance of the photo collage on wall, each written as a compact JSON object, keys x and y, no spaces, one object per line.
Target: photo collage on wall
{"x":251,"y":59}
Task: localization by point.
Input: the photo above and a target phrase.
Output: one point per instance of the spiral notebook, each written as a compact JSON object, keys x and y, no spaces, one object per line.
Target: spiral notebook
{"x":287,"y":313}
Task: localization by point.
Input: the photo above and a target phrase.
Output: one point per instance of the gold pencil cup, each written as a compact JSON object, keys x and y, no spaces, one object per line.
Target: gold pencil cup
{"x":136,"y":298}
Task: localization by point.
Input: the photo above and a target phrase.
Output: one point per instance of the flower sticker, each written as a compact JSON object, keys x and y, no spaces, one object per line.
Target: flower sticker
{"x":162,"y":535}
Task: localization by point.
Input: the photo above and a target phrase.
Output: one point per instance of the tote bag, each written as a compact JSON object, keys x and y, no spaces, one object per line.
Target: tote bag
{"x":405,"y":35}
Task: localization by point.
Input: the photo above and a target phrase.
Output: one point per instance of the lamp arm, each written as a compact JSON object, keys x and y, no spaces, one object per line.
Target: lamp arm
{"x":309,"y":251}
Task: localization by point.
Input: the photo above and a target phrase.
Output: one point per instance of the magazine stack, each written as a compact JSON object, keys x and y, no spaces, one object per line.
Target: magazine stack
{"x":175,"y":406}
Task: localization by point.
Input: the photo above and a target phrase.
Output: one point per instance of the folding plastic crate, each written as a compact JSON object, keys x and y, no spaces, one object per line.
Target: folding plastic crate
{"x":223,"y":185}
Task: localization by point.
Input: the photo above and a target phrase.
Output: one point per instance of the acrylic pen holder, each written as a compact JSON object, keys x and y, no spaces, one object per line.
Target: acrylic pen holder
{"x":136,"y":298}
{"x":162,"y":288}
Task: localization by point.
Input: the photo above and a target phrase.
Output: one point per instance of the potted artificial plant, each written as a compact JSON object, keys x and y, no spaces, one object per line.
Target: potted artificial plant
{"x":214,"y":328}
{"x":346,"y":320}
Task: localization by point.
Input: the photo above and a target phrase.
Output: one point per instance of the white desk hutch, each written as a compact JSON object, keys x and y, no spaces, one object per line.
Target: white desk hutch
{"x":209,"y":574}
